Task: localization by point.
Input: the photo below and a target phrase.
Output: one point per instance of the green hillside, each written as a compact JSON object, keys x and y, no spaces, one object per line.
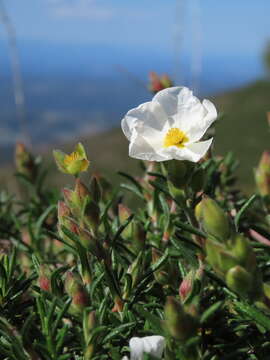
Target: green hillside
{"x":242,"y":129}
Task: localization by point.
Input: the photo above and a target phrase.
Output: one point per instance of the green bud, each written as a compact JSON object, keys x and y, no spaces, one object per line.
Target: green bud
{"x":213,"y":249}
{"x":262,"y":174}
{"x":219,"y":257}
{"x":72,"y":282}
{"x":124,"y":213}
{"x":178,"y":174}
{"x":213,"y":219}
{"x":89,"y":323}
{"x":266,"y":290}
{"x":89,"y":352}
{"x":239,"y":280}
{"x":181,"y":325}
{"x":244,"y":253}
{"x":166,"y":81}
{"x":76,"y":290}
{"x":90,"y":242}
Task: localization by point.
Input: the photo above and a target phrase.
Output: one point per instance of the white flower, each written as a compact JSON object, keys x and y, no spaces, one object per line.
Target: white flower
{"x":152,"y":345}
{"x":169,"y":127}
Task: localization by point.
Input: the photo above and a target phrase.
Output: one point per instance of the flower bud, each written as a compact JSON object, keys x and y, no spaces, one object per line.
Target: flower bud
{"x":89,"y":323}
{"x":262,"y":174}
{"x":25,"y":162}
{"x":63,"y":211}
{"x":244,"y":253}
{"x":166,"y":81}
{"x":239,"y":280}
{"x":158,"y":83}
{"x":72,"y":164}
{"x":64,"y":219}
{"x":75,"y":289}
{"x":181,"y":325}
{"x":219,"y":257}
{"x":80,"y":300}
{"x":266,"y":294}
{"x":124,"y":213}
{"x":72,"y":282}
{"x":191,"y":284}
{"x":89,"y":352}
{"x":186,"y":286}
{"x":118,"y":304}
{"x":178,"y":172}
{"x":90,"y":242}
{"x":44,"y":279}
{"x":80,"y":194}
{"x":213,"y":219}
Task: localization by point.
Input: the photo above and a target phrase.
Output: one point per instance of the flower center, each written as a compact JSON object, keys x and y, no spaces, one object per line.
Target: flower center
{"x":175,"y":137}
{"x":72,"y":157}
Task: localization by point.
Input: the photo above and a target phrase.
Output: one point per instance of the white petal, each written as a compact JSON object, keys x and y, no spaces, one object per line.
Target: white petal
{"x":192,"y":152}
{"x":211,"y":111}
{"x":125,"y":358}
{"x":199,"y":125}
{"x":198,"y":150}
{"x":149,"y":113}
{"x":175,"y":99}
{"x":152,"y":345}
{"x":139,"y":148}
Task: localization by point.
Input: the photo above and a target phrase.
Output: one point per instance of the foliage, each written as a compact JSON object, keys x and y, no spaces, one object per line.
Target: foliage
{"x":190,"y":263}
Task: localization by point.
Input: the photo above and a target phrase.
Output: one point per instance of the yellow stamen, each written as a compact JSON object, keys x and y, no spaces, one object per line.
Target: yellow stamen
{"x":175,"y":137}
{"x":72,"y":157}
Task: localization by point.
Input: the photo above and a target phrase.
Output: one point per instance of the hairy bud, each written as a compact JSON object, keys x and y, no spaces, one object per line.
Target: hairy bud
{"x":213,"y":219}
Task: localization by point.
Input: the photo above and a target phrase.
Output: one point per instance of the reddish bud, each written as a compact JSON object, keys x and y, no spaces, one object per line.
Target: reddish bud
{"x":186,"y":286}
{"x":63,"y":210}
{"x":44,"y":280}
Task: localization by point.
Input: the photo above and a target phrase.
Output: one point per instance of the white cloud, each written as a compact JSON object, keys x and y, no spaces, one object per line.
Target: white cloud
{"x":84,"y":9}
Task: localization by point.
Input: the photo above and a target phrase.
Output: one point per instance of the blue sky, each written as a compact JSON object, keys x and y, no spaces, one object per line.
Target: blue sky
{"x":225,"y":27}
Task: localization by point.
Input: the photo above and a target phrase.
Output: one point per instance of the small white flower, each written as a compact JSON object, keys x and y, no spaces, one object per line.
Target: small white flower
{"x":152,"y":345}
{"x":170,"y":126}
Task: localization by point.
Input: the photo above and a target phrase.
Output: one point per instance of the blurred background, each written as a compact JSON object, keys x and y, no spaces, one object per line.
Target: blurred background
{"x":70,"y":69}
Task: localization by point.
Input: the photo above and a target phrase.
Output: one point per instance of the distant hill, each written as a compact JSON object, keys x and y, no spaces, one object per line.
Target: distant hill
{"x":243,"y":129}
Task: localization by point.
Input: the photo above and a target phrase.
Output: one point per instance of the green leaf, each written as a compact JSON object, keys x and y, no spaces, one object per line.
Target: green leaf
{"x":240,"y":213}
{"x":189,"y":228}
{"x":132,"y":188}
{"x":153,"y":320}
{"x":211,"y":311}
{"x":117,"y":331}
{"x":252,"y":313}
